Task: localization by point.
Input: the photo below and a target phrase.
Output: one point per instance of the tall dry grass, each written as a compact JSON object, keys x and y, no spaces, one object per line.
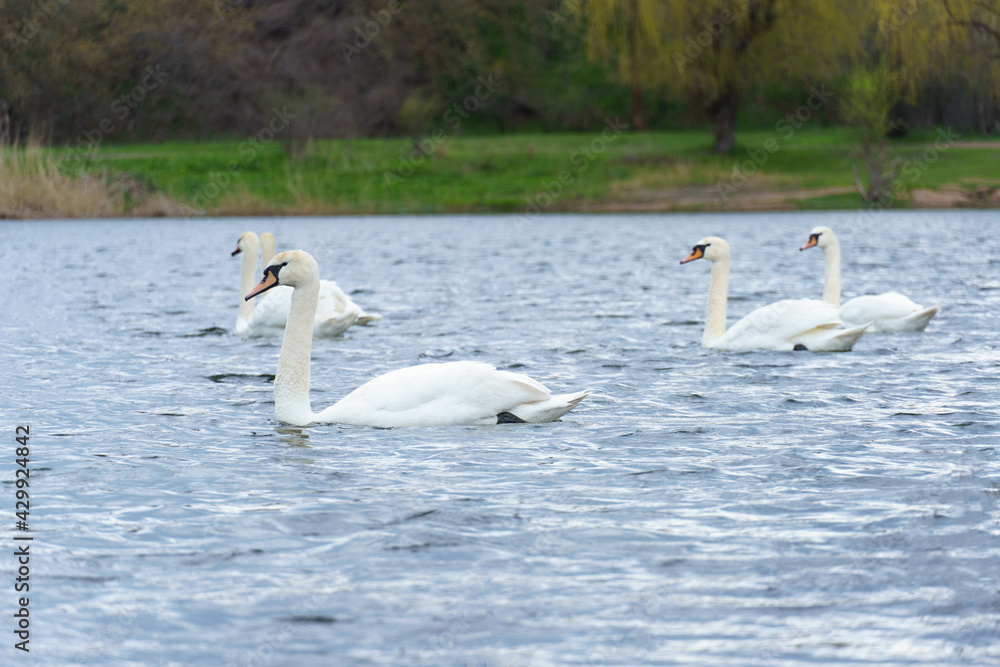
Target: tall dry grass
{"x":32,"y":185}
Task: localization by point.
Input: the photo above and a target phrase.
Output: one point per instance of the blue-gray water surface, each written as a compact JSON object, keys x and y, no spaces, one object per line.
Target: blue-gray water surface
{"x":699,"y":508}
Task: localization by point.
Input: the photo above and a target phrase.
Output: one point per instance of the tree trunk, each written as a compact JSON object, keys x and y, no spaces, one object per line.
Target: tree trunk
{"x":637,"y":124}
{"x":725,"y":123}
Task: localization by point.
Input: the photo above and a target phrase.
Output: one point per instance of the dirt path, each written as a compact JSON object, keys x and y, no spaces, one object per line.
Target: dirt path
{"x":708,"y":198}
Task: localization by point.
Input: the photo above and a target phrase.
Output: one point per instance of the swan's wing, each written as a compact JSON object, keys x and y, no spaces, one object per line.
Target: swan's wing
{"x":338,"y":312}
{"x":777,"y":325}
{"x":872,"y":307}
{"x":270,"y":312}
{"x":461,"y":392}
{"x":335,"y":312}
{"x":345,"y":303}
{"x":333,"y":295}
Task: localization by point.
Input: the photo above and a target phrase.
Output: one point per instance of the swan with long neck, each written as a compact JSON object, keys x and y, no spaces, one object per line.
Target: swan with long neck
{"x":886,"y":313}
{"x":791,"y":324}
{"x":335,"y":313}
{"x":335,"y":307}
{"x":248,"y":245}
{"x":459,"y":392}
{"x":266,"y":248}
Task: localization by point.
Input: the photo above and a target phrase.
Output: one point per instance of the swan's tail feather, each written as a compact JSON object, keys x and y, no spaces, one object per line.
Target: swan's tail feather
{"x":364,"y":319}
{"x":549,"y":409}
{"x":840,"y":340}
{"x":845,"y":340}
{"x":334,"y":326}
{"x":919,"y":320}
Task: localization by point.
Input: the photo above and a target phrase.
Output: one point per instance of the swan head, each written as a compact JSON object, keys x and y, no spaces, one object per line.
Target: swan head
{"x":820,"y":236}
{"x":248,"y":243}
{"x":711,"y":248}
{"x":292,"y":268}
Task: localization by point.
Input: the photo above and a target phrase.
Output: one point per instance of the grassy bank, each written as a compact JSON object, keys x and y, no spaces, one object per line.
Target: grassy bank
{"x":606,"y":171}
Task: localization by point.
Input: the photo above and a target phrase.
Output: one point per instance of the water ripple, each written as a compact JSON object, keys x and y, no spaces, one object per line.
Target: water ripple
{"x":698,"y":508}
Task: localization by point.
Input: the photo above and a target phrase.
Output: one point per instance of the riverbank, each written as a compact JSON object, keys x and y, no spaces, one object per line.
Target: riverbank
{"x":606,"y":171}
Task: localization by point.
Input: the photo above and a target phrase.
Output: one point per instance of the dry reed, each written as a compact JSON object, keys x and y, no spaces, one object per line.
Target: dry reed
{"x":32,"y":185}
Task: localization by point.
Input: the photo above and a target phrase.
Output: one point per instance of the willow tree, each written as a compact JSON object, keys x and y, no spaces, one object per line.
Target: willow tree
{"x":934,"y":43}
{"x":711,"y":51}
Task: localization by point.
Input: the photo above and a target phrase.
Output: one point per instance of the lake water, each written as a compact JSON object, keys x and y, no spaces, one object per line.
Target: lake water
{"x":698,"y":508}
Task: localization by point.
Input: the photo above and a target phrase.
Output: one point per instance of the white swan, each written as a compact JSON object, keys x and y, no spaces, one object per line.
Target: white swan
{"x":328,"y":289}
{"x":792,"y":324}
{"x":266,"y":248}
{"x":460,"y":392}
{"x":887,"y":313}
{"x":335,"y":314}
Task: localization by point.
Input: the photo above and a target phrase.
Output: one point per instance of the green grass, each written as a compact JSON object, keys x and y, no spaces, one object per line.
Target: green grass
{"x":502,"y":173}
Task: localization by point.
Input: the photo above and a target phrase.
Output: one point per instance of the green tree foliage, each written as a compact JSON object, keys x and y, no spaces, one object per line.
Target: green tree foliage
{"x":948,"y":47}
{"x":711,"y":51}
{"x":78,"y":70}
{"x":342,"y":67}
{"x":120,"y":70}
{"x":867,"y":103}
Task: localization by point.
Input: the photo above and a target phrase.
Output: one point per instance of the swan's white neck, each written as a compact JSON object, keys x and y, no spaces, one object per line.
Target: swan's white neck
{"x":248,"y":278}
{"x":715,"y":310}
{"x":831,"y":284}
{"x":291,"y":383}
{"x":266,"y":249}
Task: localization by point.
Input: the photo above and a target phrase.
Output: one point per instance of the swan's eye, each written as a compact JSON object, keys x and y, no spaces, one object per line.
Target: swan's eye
{"x":272,"y":271}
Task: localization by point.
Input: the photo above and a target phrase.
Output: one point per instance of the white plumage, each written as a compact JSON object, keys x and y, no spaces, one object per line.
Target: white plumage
{"x":884,"y":313}
{"x":462,"y":392}
{"x":266,"y":315}
{"x":784,"y":325}
{"x":458,"y":392}
{"x":266,"y":248}
{"x":335,"y":312}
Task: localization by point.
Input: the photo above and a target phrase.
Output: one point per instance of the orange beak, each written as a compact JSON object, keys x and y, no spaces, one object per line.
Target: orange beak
{"x":697,"y":253}
{"x":269,"y":280}
{"x":811,"y":243}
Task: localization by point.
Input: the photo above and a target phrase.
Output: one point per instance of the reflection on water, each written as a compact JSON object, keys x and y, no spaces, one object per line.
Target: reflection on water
{"x":293,"y":436}
{"x":698,"y":508}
